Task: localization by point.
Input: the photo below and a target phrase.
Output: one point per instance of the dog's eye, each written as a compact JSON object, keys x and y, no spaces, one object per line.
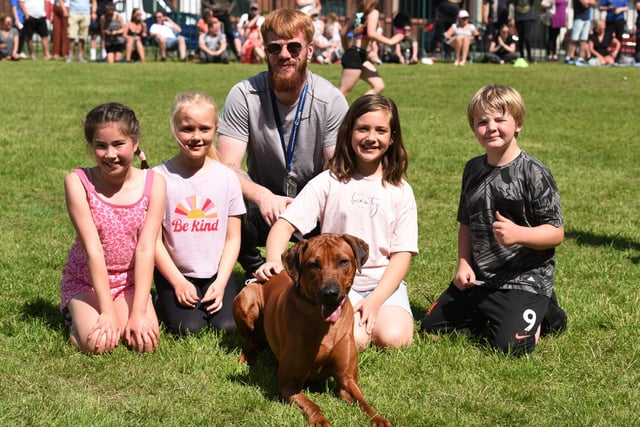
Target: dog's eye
{"x":345,"y":262}
{"x":313,"y":265}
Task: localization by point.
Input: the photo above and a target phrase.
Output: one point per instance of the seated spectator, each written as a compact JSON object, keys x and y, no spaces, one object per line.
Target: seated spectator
{"x":502,"y":48}
{"x":249,"y":30}
{"x":8,"y":40}
{"x":460,"y":35}
{"x":112,"y":31}
{"x":328,"y":44}
{"x":407,"y":49}
{"x":202,"y":26}
{"x":136,"y":33}
{"x":604,"y":47}
{"x":166,"y":33}
{"x":213,"y":44}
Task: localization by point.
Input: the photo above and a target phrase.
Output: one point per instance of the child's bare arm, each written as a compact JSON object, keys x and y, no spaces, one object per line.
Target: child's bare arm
{"x":214,"y":296}
{"x":465,"y":276}
{"x":277,"y":241}
{"x":141,"y":331}
{"x":183,"y":289}
{"x":394,"y":274}
{"x":82,"y":220}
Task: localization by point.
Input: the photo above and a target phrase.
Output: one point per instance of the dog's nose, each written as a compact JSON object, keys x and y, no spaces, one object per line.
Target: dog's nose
{"x":331,"y":292}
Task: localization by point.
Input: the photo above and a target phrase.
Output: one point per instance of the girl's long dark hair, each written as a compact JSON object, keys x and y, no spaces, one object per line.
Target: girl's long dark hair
{"x":394,"y":161}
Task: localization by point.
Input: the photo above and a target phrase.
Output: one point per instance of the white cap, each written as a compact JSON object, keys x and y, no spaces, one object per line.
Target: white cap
{"x":463,"y":14}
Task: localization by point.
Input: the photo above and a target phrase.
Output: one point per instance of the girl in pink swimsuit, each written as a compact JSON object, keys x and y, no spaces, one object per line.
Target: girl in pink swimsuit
{"x":116,"y":210}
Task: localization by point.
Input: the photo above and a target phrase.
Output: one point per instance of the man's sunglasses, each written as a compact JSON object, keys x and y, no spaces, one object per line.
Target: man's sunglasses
{"x":294,"y":48}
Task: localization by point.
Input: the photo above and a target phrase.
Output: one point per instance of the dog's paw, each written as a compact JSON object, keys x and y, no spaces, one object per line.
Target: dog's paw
{"x":378,"y":421}
{"x":247,"y":358}
{"x":318,"y":420}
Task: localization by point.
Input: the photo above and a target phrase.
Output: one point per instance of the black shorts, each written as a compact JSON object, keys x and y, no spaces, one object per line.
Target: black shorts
{"x":94,"y":27}
{"x":509,"y":317}
{"x":114,"y":48}
{"x":353,"y":58}
{"x":35,"y":26}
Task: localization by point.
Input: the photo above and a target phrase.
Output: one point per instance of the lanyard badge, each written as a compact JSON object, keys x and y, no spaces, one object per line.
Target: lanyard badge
{"x":289,"y":186}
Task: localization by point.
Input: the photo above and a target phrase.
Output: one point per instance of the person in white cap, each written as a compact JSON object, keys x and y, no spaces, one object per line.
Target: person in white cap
{"x":460,"y":35}
{"x":308,"y":6}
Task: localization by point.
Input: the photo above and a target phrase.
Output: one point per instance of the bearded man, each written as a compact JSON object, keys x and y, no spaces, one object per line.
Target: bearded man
{"x":286,"y":120}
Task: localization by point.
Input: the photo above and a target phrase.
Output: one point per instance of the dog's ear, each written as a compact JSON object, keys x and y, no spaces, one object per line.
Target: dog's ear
{"x":360,"y":248}
{"x":291,"y":260}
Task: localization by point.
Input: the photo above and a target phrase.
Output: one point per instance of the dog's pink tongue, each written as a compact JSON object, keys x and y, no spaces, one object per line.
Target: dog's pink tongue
{"x":333,"y":317}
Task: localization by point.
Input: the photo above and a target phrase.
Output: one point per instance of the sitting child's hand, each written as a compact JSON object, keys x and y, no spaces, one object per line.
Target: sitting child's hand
{"x":267,"y":270}
{"x":505,"y":230}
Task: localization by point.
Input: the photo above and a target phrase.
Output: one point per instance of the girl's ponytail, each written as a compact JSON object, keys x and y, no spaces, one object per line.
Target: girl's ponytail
{"x":143,"y":159}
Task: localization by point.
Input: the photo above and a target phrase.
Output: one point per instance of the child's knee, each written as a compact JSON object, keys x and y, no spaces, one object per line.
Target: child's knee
{"x":394,"y":336}
{"x":90,"y":346}
{"x":377,"y":86}
{"x":361,"y":338}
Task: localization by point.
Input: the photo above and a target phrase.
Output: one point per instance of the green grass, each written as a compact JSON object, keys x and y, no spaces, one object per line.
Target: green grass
{"x":582,"y":123}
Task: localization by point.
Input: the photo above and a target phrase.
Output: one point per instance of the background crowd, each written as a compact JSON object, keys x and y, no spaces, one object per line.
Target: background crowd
{"x":502,"y":31}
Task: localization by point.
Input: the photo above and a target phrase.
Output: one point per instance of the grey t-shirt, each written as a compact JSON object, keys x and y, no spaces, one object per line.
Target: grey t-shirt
{"x":212,"y":42}
{"x":248,"y":116}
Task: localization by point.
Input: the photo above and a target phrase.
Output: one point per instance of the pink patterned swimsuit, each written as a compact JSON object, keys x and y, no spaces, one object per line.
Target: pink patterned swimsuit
{"x":118,"y":227}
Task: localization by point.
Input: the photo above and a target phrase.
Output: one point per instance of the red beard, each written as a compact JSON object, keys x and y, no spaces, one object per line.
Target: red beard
{"x":283,"y":82}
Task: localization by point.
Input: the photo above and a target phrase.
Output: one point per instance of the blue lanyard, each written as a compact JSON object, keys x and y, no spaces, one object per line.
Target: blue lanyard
{"x":288,"y":151}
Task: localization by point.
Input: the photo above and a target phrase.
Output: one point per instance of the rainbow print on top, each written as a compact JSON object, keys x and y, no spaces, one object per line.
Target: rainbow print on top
{"x":196,"y":207}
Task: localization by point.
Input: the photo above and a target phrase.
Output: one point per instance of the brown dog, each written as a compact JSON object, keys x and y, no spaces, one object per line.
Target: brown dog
{"x":306,"y":318}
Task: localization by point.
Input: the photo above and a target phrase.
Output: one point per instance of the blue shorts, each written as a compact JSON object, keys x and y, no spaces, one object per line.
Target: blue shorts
{"x":172,"y":44}
{"x":399,"y":298}
{"x":580,"y":30}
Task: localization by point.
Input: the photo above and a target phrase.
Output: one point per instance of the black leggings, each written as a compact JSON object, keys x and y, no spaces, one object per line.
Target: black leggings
{"x":181,"y":320}
{"x":616,"y":29}
{"x":525,"y":37}
{"x":552,"y":40}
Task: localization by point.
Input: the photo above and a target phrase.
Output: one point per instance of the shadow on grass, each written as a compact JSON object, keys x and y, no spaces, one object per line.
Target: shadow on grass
{"x":262,"y":374}
{"x":619,"y":243}
{"x":44,"y":311}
